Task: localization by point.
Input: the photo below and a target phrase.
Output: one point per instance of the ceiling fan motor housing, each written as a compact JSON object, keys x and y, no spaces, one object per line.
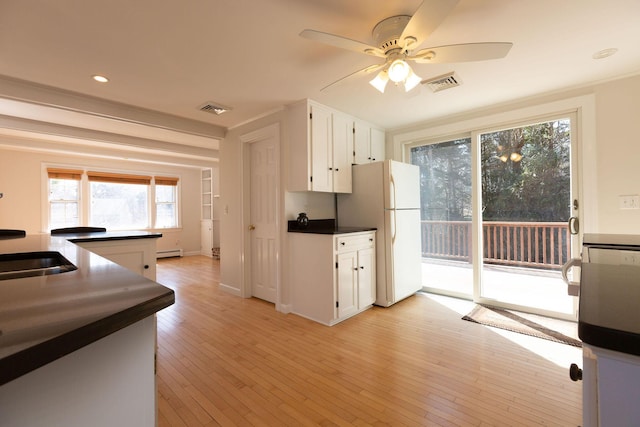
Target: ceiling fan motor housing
{"x":388,"y":31}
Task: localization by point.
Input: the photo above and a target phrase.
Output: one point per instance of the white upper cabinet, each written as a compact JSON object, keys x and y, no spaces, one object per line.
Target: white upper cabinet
{"x":342,"y":153}
{"x":368,"y":143}
{"x":320,"y":148}
{"x":324,"y":143}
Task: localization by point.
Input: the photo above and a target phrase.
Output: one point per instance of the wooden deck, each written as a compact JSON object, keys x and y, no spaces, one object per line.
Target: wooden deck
{"x":539,"y":289}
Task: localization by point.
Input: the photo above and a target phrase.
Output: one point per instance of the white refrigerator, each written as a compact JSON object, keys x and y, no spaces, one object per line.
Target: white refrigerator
{"x":386,"y":195}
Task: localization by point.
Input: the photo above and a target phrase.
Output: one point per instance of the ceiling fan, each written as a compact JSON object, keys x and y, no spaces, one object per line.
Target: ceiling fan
{"x":397,"y":39}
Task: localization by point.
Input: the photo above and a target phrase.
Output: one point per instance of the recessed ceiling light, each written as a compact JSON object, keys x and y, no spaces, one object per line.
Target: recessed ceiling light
{"x":101,"y":79}
{"x":605,"y":53}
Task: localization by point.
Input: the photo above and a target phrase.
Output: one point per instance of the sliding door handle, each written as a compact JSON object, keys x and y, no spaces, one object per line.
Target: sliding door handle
{"x":574,"y":225}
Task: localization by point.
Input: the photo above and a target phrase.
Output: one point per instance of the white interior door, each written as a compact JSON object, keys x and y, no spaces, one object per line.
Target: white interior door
{"x":263,"y":219}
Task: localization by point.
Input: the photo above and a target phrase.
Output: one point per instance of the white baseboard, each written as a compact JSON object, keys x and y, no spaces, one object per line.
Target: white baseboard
{"x":169,"y":253}
{"x":229,"y":289}
{"x":285,"y":308}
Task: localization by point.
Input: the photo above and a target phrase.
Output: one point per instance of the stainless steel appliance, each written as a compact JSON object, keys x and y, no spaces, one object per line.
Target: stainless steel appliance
{"x":386,"y":195}
{"x":609,"y":327}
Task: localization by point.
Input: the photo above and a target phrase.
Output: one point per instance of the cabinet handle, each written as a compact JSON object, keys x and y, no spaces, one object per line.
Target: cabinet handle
{"x":337,"y":169}
{"x":330,"y":169}
{"x":371,"y":239}
{"x":342,"y":243}
{"x":575,"y":373}
{"x":374,"y":159}
{"x":146,"y":267}
{"x":356,"y":268}
{"x":361,"y":267}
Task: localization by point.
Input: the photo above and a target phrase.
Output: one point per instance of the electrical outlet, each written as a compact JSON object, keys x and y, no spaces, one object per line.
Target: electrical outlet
{"x":629,"y":202}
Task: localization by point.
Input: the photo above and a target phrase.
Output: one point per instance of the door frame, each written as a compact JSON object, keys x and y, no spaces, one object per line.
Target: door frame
{"x":583,"y":142}
{"x":268,"y":132}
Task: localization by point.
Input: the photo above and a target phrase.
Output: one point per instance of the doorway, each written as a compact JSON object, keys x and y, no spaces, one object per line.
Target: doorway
{"x":262,"y":269}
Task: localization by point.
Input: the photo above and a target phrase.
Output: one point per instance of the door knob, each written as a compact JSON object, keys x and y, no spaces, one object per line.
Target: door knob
{"x":252,"y":227}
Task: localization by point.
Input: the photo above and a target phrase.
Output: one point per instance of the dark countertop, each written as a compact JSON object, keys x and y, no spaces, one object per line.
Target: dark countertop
{"x":608,"y":314}
{"x":110,"y":235}
{"x":46,"y":317}
{"x":324,"y":226}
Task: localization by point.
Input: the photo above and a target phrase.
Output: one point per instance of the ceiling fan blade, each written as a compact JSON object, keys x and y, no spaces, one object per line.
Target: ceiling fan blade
{"x":366,"y":70}
{"x":341,"y":42}
{"x":426,"y":19}
{"x":467,"y":52}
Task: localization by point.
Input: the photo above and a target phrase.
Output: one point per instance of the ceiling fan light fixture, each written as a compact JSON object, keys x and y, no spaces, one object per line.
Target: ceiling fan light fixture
{"x":411,"y":81}
{"x":398,"y":71}
{"x":380,"y":81}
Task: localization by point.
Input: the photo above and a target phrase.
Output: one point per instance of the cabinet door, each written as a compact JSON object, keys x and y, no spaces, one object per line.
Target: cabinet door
{"x":342,"y":153}
{"x":206,"y":237}
{"x":321,"y":149}
{"x":366,"y":277}
{"x":138,"y":256}
{"x":377,"y":145}
{"x":361,"y":143}
{"x":347,"y":292}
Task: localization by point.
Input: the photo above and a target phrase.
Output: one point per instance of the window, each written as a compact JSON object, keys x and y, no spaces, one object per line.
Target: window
{"x":115,"y":201}
{"x":64,"y":197}
{"x":166,"y":212}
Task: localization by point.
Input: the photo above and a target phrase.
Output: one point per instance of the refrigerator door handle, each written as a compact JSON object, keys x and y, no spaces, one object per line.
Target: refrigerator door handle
{"x":392,"y":185}
{"x":393,"y":224}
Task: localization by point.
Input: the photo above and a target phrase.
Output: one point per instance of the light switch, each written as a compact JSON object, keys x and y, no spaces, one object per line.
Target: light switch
{"x":629,"y":202}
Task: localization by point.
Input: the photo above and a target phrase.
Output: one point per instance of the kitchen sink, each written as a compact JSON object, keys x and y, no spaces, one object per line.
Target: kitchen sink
{"x":29,"y":264}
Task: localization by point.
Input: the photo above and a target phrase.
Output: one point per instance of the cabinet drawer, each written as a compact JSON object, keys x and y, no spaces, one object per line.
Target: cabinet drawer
{"x":354,"y":243}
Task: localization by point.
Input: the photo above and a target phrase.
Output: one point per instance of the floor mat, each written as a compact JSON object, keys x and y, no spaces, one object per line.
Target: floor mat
{"x":529,"y":324}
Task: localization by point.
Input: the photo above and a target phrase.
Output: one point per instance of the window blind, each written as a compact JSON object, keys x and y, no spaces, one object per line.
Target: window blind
{"x":118,"y":178}
{"x":64,"y":173}
{"x":166,"y":180}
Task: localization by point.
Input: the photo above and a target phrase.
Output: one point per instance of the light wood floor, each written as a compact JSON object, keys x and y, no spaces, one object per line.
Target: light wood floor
{"x":224,"y":360}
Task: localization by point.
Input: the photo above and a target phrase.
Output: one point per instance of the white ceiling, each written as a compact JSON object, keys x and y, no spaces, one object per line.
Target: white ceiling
{"x":171,"y":57}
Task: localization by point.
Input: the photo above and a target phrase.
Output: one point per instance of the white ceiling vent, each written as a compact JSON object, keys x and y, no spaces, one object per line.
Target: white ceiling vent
{"x":212,"y":107}
{"x":445,"y":81}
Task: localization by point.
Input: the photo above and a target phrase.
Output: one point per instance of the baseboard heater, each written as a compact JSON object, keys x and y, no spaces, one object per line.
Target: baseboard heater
{"x":169,"y":253}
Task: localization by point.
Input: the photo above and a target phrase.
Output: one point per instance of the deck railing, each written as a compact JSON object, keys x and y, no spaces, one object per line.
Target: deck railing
{"x":525,"y":244}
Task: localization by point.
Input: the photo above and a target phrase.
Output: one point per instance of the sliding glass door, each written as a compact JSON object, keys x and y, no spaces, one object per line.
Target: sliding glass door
{"x":495,"y":207}
{"x":526,"y":196}
{"x":445,"y":183}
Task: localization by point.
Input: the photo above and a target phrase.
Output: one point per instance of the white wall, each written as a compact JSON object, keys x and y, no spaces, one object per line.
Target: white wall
{"x":618,"y":152}
{"x":22,"y":184}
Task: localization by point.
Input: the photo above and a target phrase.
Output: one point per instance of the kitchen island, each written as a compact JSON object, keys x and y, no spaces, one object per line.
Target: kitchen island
{"x":78,"y":348}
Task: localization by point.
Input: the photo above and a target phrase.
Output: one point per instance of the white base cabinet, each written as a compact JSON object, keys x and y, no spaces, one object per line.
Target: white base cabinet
{"x":110,"y":382}
{"x":610,"y":391}
{"x":332,"y":275}
{"x":138,"y":255}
